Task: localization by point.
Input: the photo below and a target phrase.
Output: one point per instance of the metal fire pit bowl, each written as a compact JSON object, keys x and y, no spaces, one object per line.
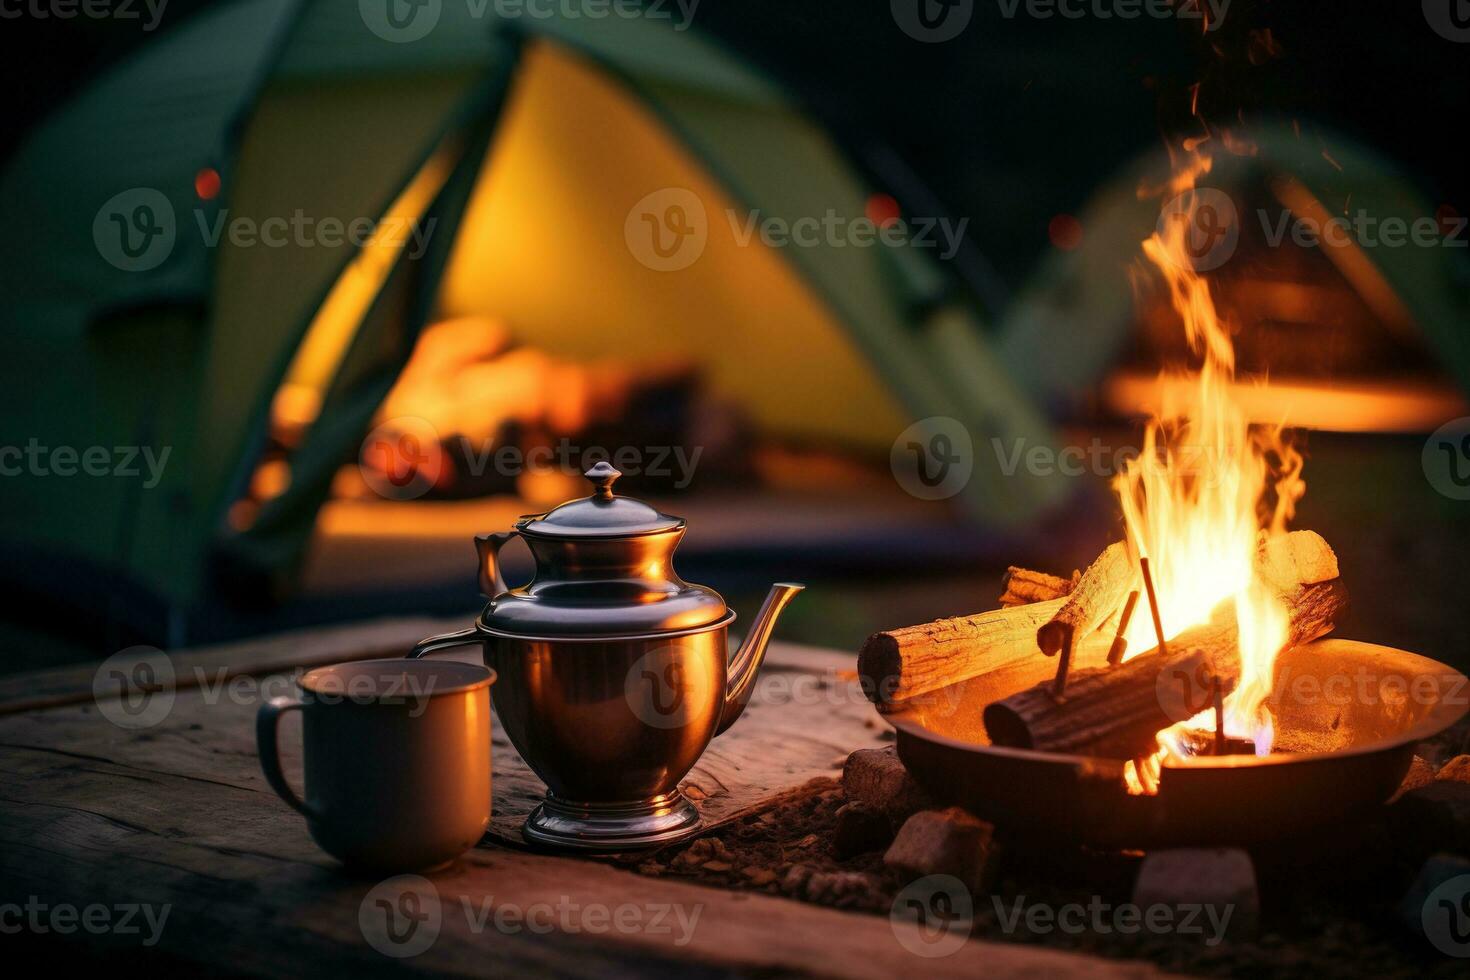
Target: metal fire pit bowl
{"x":1355,"y":711}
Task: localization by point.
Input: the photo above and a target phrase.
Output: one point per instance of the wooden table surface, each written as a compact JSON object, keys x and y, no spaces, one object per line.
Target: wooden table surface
{"x":169,"y":833}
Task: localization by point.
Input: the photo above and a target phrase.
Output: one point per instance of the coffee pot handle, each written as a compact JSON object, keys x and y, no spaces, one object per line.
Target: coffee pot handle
{"x":444,"y":641}
{"x":488,"y":546}
{"x":492,"y":584}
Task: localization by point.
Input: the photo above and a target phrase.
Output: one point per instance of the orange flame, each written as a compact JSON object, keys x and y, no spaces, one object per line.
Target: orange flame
{"x":1199,"y":498}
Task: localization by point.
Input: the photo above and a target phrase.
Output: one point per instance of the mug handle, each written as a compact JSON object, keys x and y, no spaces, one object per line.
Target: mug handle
{"x":267,"y":722}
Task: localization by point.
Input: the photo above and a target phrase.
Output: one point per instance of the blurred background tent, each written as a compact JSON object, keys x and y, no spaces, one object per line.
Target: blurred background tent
{"x":528,"y":145}
{"x":522,"y":148}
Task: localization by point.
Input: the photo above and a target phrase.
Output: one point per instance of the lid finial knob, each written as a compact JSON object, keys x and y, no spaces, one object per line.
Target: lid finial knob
{"x":603,"y":475}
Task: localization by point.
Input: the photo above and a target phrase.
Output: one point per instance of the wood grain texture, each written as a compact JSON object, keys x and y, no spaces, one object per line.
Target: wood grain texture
{"x":1025,"y":585}
{"x":902,"y":664}
{"x":178,"y":816}
{"x":1098,"y":595}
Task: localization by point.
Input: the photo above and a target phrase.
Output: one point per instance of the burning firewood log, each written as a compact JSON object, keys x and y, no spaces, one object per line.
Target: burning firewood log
{"x":902,"y":664}
{"x":1024,"y":586}
{"x":899,"y":665}
{"x":1117,"y":711}
{"x":1098,"y":594}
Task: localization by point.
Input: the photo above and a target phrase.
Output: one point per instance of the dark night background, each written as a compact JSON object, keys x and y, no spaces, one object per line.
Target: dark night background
{"x":1017,"y":119}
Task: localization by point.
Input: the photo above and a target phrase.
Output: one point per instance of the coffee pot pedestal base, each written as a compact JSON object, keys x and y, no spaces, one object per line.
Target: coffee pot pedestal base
{"x":611,"y":826}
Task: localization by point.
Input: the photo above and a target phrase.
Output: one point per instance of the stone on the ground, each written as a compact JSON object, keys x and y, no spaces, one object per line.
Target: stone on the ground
{"x":841,"y":887}
{"x":795,"y":879}
{"x":701,"y":852}
{"x":1457,"y":770}
{"x":861,"y":827}
{"x":949,"y":842}
{"x":1420,"y":773}
{"x":758,"y":876}
{"x":877,"y":777}
{"x":1415,"y":909}
{"x":1435,"y":817}
{"x":1222,"y":880}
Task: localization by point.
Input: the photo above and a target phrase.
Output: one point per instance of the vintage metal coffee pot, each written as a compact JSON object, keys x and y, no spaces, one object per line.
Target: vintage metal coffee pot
{"x":614,"y":672}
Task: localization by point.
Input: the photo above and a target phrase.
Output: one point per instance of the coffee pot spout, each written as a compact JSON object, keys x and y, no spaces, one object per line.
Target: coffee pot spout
{"x":746,"y":663}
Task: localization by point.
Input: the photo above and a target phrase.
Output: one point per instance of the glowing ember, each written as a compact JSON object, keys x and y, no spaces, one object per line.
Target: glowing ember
{"x":1200,"y":497}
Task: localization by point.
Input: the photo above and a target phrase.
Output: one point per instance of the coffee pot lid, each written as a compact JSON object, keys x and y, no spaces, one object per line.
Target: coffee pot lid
{"x":601,"y":515}
{"x":604,"y":569}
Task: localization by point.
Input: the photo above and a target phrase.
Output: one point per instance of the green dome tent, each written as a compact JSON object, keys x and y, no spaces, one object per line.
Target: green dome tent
{"x":136,"y":318}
